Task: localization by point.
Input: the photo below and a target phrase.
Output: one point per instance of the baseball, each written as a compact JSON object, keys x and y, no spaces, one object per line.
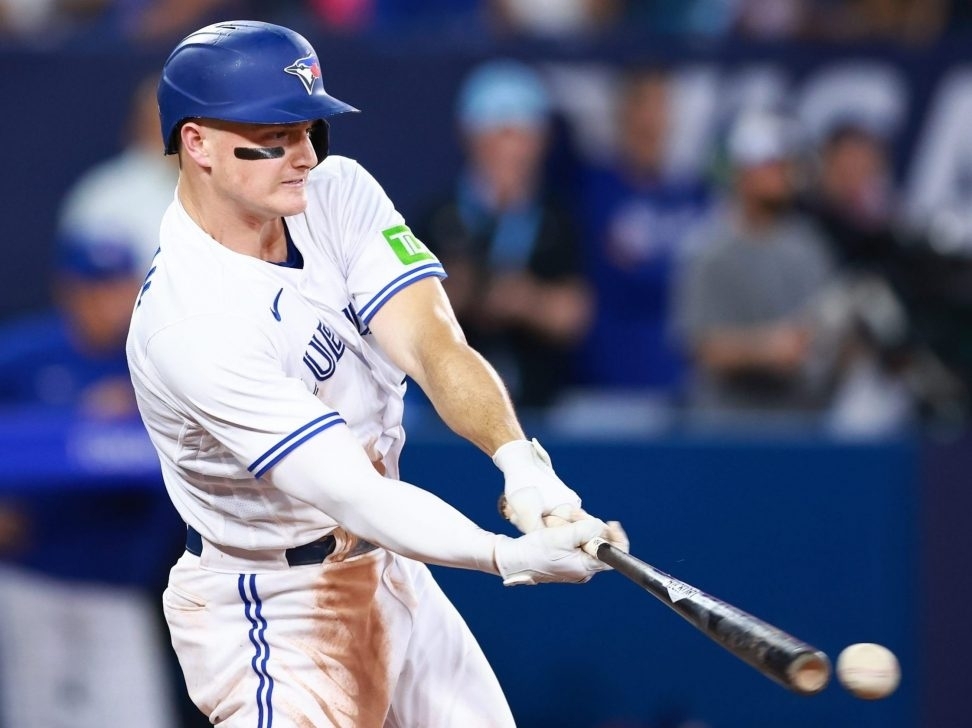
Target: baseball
{"x":869,"y":671}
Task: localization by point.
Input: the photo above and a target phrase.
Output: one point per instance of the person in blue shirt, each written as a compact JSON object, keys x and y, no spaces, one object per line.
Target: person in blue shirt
{"x":637,"y":212}
{"x":71,"y":357}
{"x":508,"y":243}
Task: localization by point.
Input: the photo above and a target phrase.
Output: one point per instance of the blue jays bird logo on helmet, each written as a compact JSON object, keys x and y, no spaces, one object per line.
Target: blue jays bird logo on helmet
{"x":307,"y":69}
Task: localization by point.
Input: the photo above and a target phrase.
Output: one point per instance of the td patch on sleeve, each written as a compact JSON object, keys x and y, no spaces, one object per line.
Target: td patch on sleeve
{"x":407,"y":247}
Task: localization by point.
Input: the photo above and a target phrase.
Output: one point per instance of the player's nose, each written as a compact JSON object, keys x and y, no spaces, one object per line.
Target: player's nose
{"x":304,"y":156}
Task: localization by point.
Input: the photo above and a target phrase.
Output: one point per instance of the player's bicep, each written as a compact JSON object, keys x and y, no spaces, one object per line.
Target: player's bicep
{"x":417,"y":323}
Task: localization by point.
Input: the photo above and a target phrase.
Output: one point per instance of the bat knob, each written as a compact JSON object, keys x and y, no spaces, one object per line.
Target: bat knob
{"x":503,"y":507}
{"x":593,"y":545}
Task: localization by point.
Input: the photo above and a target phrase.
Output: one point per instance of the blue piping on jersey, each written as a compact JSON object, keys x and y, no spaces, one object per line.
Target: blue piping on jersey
{"x":367,"y":311}
{"x":291,"y":441}
{"x":258,"y":629}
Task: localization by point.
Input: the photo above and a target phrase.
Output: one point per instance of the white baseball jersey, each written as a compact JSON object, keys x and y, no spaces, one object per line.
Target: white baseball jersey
{"x":236,"y":361}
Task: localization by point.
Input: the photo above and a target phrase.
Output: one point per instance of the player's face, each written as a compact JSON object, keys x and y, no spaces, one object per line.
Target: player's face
{"x":270,"y":180}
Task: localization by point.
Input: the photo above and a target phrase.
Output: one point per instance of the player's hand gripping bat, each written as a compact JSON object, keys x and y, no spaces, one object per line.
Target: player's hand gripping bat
{"x":776,"y":654}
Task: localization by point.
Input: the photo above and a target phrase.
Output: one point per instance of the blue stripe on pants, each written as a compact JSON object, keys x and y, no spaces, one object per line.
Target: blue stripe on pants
{"x":253,"y":609}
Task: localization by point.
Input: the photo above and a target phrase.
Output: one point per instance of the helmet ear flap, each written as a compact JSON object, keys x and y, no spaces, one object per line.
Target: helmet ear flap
{"x":320,"y":136}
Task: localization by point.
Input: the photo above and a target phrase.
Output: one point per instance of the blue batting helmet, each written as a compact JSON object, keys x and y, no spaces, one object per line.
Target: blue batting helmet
{"x":245,"y":71}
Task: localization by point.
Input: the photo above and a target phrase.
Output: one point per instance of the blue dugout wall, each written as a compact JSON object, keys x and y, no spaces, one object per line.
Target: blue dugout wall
{"x":820,"y":538}
{"x":817,"y":538}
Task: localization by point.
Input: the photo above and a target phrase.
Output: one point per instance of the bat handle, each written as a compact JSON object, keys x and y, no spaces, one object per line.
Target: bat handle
{"x":593,"y":546}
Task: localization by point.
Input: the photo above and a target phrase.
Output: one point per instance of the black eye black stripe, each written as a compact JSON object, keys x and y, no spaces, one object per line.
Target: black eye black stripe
{"x":254,"y":153}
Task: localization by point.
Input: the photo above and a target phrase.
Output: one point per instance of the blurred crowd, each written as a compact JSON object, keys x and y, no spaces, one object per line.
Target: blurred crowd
{"x":775,"y":277}
{"x":48,"y":22}
{"x":777,"y":282}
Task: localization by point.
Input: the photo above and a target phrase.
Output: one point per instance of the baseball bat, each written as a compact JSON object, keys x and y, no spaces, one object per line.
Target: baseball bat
{"x":771,"y":651}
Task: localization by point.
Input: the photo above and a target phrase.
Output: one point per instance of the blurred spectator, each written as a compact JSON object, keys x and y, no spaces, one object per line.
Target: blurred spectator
{"x":637,"y":214}
{"x":903,"y":21}
{"x":97,"y":21}
{"x":82,"y":641}
{"x":854,"y":195}
{"x":47,"y":21}
{"x":855,"y":202}
{"x":939,"y":304}
{"x":746,"y":298}
{"x":691,"y":18}
{"x":509,"y":248}
{"x":771,"y":19}
{"x":555,"y":18}
{"x":777,"y":322}
{"x":123,"y":198}
{"x":355,"y":17}
{"x":162,"y":21}
{"x":82,"y":645}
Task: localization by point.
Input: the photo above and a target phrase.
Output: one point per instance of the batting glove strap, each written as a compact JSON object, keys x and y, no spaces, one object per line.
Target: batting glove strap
{"x":531,"y":486}
{"x":549,"y":554}
{"x":520,"y":453}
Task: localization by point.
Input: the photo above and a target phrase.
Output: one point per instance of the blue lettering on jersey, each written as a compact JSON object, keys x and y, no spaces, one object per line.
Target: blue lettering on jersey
{"x":324,"y":351}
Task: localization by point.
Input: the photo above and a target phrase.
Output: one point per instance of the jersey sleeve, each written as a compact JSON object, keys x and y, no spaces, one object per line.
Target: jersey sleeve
{"x":224,"y":375}
{"x":383,"y":256}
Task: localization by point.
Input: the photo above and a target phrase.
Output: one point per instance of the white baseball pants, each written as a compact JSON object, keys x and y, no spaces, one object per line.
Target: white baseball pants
{"x":368,"y":642}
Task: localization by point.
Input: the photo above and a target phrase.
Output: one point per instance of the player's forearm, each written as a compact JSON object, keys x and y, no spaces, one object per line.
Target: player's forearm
{"x":419,"y":332}
{"x":417,"y":524}
{"x":470,"y":397}
{"x":393,"y":514}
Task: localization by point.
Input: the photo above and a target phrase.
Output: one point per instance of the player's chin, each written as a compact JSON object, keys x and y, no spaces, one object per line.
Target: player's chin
{"x":292,"y":201}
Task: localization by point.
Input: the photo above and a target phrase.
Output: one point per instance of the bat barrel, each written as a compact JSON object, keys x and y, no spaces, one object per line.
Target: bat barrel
{"x":809,"y":673}
{"x":778,"y":655}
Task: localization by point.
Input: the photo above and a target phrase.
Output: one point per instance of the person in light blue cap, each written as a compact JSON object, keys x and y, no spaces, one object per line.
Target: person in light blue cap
{"x":503,"y":93}
{"x":510,"y":248}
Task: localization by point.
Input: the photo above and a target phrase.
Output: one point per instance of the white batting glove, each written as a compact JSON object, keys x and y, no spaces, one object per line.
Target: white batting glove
{"x":613,"y":533}
{"x":549,"y":554}
{"x":616,"y":536}
{"x":532,"y":488}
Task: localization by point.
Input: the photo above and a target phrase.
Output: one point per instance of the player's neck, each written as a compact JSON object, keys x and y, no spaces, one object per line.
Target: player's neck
{"x":247,"y":234}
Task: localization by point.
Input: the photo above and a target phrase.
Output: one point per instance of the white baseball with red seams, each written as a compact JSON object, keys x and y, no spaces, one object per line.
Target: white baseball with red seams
{"x":868,"y":670}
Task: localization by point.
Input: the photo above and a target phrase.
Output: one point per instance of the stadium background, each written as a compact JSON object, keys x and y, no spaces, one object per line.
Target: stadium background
{"x":836,"y":541}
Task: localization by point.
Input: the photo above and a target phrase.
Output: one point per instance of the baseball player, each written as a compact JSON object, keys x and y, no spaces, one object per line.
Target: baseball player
{"x":268,"y":350}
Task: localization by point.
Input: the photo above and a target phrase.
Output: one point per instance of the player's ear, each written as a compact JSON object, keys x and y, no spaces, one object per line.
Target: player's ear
{"x":193,"y":143}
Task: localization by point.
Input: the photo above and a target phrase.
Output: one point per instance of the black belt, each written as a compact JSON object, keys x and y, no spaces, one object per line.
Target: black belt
{"x":310,"y":553}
